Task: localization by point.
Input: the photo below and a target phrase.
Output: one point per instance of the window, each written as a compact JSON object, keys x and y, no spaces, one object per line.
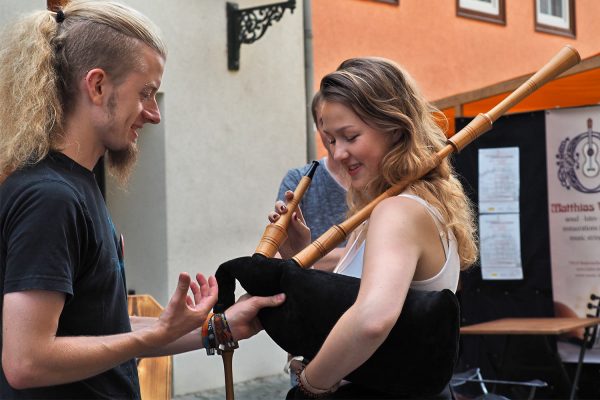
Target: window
{"x":484,"y":10}
{"x":555,"y":16}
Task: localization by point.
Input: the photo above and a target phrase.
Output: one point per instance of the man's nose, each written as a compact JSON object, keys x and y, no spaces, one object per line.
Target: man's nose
{"x":151,"y":113}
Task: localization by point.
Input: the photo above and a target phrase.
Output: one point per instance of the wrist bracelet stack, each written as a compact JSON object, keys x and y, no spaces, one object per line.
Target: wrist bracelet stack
{"x":216,"y":335}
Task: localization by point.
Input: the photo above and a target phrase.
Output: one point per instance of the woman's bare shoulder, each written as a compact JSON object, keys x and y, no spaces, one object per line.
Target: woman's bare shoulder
{"x":398,"y":210}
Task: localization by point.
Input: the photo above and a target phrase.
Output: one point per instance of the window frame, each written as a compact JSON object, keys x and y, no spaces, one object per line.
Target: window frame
{"x":395,"y":2}
{"x":470,"y":9}
{"x":544,"y":23}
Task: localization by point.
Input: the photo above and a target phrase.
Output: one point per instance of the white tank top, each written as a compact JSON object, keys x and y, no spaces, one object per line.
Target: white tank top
{"x":351,"y":263}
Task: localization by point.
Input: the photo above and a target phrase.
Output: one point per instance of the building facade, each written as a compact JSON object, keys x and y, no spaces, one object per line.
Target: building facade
{"x":453,"y":46}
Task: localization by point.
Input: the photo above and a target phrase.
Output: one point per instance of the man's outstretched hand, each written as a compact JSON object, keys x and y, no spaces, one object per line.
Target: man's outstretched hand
{"x":185,"y":312}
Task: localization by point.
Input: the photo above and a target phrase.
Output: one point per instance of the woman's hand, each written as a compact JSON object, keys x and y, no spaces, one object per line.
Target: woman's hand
{"x":298,"y":232}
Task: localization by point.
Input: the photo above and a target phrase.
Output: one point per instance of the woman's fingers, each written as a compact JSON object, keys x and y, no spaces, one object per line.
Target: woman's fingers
{"x":299,"y":215}
{"x":289,"y":195}
{"x":280,"y":207}
{"x":273,"y":217}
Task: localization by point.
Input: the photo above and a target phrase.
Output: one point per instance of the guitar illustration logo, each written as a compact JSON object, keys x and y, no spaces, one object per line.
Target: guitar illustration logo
{"x":579,"y":162}
{"x":590,"y":154}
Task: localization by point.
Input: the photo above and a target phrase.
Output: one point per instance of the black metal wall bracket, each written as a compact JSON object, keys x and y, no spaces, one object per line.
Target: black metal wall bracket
{"x":249,"y":25}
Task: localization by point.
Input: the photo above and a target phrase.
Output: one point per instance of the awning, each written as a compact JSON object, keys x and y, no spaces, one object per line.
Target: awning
{"x":579,"y":86}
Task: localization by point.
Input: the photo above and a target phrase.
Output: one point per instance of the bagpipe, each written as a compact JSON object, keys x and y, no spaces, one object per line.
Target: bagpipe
{"x":418,"y":356}
{"x":419,"y":352}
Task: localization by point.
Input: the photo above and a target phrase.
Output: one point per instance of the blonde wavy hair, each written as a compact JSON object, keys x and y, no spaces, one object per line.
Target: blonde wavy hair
{"x":42,"y":62}
{"x":386,"y":98}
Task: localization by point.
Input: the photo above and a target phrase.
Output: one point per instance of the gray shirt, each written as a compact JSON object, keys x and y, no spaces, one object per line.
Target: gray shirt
{"x":323,"y":204}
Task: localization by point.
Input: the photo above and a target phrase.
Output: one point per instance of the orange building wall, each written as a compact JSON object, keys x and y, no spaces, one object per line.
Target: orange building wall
{"x":446,"y":54}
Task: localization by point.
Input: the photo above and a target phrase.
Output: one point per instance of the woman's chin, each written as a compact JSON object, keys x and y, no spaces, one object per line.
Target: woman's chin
{"x":358,"y":185}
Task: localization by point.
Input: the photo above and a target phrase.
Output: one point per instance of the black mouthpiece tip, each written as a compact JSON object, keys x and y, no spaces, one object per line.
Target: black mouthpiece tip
{"x":311,"y":171}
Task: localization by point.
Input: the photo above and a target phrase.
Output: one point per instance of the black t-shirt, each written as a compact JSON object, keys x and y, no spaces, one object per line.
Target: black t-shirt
{"x":56,"y":234}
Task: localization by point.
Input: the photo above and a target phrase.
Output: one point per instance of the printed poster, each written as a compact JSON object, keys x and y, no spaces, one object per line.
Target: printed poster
{"x":499,"y":226}
{"x":499,"y":180}
{"x":500,"y":243}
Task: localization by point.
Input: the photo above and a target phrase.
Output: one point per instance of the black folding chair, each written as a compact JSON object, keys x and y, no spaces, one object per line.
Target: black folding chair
{"x":474,"y":376}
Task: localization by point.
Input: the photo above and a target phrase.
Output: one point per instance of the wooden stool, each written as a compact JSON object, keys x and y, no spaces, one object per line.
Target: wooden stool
{"x":155,"y":373}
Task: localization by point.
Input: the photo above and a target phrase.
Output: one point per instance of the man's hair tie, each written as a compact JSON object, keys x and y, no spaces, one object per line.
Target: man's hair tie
{"x":60,"y":16}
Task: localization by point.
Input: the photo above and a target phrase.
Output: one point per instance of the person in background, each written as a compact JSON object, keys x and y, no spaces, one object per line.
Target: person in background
{"x":324,"y":203}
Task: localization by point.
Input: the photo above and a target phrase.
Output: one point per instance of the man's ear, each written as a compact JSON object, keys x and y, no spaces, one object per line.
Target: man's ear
{"x":96,"y":85}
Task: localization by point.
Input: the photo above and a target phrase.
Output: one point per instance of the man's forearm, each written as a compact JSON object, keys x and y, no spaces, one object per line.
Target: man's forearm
{"x":189,"y":342}
{"x":70,"y":359}
{"x":33,"y":356}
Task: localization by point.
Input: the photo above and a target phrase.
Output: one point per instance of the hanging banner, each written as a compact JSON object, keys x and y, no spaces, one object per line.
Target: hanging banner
{"x":573,"y":165}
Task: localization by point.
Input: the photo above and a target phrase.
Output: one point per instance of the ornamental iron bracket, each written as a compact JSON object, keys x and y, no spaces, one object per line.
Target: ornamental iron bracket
{"x":249,"y":25}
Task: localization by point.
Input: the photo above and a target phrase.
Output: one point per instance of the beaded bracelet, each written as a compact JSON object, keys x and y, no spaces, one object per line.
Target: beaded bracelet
{"x":309,"y":390}
{"x":225,"y":340}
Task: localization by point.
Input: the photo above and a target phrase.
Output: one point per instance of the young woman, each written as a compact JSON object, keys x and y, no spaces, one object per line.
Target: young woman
{"x":382,"y":130}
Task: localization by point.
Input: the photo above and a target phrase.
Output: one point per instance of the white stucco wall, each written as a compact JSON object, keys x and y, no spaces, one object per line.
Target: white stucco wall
{"x":209,"y":173}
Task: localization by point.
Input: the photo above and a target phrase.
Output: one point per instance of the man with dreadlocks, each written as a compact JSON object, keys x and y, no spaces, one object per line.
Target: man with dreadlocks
{"x":76,"y":85}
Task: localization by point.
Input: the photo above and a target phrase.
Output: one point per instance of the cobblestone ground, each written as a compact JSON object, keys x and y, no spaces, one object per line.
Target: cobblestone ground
{"x":273,"y":387}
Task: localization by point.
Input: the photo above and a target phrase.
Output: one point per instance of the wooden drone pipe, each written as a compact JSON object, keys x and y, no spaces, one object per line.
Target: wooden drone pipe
{"x":276,"y":233}
{"x":227,"y":357}
{"x":566,"y":58}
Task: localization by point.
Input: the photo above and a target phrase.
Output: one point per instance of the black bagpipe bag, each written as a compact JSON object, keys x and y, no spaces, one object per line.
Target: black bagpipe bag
{"x":415,"y":360}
